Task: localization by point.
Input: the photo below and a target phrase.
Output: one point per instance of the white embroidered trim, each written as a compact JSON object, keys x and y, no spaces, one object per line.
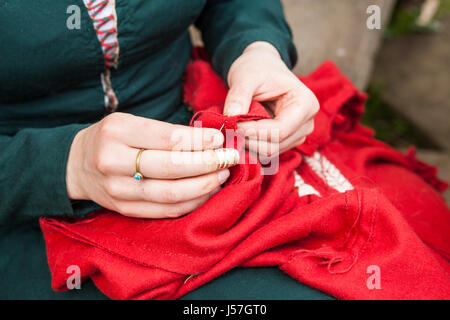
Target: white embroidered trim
{"x":303,"y":188}
{"x":328,"y":172}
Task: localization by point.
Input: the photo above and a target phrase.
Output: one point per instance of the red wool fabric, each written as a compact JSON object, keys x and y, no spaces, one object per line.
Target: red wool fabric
{"x":340,"y":206}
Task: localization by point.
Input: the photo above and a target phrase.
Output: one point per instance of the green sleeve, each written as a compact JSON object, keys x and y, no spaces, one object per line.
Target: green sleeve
{"x":229,"y":26}
{"x":33,"y":174}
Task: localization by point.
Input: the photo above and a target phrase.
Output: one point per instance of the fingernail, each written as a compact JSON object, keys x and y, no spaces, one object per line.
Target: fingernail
{"x":234,"y":109}
{"x":223,"y":175}
{"x":218,"y":139}
{"x":214,"y":138}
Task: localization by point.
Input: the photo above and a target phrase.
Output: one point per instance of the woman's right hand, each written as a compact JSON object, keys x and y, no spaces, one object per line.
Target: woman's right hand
{"x":102,"y":161}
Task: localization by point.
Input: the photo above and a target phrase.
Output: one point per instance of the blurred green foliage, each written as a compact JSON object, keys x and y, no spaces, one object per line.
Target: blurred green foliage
{"x":403,"y":22}
{"x":404,"y":18}
{"x":444,"y":9}
{"x":390,"y":126}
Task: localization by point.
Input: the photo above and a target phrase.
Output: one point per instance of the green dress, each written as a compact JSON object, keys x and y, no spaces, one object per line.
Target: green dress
{"x":50,"y":88}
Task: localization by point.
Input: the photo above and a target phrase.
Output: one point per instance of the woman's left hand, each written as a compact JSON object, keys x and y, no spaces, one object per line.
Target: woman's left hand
{"x":260,"y":74}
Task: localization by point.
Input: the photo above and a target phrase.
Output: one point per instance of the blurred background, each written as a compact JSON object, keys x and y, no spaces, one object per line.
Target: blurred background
{"x":404,"y":66}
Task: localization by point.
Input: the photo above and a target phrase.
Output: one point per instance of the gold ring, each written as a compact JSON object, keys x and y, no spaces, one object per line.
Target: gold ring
{"x":138,"y":175}
{"x":227,"y":157}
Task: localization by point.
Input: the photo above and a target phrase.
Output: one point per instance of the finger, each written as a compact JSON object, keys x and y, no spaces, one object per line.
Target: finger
{"x":238,"y":99}
{"x":291,"y":113}
{"x":266,"y":157}
{"x":165,"y":191}
{"x":262,"y":149}
{"x":159,"y":164}
{"x":139,"y":132}
{"x":269,"y":129}
{"x":174,"y":165}
{"x":145,"y":209}
{"x":298,"y":137}
{"x":294,"y":144}
{"x":265,"y":148}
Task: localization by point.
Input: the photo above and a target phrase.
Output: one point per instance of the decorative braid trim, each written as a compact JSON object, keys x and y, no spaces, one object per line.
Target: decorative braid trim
{"x":104,"y":17}
{"x":303,"y":188}
{"x":111,"y":101}
{"x":328,"y":172}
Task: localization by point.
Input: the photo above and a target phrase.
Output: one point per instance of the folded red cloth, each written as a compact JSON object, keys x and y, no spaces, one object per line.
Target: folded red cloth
{"x":345,"y":214}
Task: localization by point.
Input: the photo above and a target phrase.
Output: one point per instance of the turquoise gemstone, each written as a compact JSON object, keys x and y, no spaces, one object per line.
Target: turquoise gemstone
{"x":137,"y":176}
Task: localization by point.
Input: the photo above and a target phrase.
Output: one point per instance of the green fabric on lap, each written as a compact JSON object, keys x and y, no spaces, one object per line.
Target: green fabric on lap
{"x":24,"y":274}
{"x":255,"y":283}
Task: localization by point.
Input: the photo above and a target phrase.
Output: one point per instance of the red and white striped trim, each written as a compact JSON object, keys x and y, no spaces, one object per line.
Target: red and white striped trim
{"x":103,"y":15}
{"x":104,"y":18}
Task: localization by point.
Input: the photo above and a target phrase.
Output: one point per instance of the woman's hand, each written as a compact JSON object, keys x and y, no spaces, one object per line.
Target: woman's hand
{"x":179,"y":166}
{"x":260,"y":74}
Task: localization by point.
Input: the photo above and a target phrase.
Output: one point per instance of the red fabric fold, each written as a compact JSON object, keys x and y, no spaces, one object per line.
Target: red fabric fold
{"x":339,"y":204}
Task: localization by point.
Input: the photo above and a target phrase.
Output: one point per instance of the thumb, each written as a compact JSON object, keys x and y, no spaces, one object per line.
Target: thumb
{"x":238,"y":100}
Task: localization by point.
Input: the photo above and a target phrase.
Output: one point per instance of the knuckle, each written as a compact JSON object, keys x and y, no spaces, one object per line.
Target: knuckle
{"x":113,"y":189}
{"x":170,"y":196}
{"x":121,"y":208}
{"x":167,"y":169}
{"x":310,"y":128}
{"x":103,"y":162}
{"x":110,"y":124}
{"x":166,"y":138}
{"x":315,"y":105}
{"x":171,"y":136}
{"x":177,"y":137}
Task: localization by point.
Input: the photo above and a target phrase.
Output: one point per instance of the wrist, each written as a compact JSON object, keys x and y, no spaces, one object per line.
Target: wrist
{"x":262,"y":46}
{"x":74,"y":168}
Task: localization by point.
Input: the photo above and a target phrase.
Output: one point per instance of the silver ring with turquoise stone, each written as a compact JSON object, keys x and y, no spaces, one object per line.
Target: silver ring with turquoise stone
{"x":138,"y":175}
